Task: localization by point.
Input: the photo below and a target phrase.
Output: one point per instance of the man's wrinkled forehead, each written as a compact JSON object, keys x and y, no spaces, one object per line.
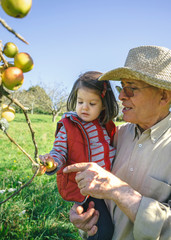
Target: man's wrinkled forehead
{"x":132,"y":82}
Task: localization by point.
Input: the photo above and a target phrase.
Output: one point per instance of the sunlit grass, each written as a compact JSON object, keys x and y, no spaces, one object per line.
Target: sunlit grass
{"x":38,"y":211}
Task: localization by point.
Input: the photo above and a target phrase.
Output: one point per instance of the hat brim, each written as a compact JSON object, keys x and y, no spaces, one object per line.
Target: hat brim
{"x":127,"y":73}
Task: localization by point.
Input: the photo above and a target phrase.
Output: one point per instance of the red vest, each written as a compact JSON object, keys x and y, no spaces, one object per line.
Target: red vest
{"x":78,"y":143}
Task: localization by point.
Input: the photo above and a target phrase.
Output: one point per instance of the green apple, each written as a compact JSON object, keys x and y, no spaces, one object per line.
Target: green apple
{"x":7,"y":112}
{"x":23,"y":61}
{"x":16,"y":8}
{"x":12,"y":78}
{"x":49,"y":163}
{"x":10,"y":49}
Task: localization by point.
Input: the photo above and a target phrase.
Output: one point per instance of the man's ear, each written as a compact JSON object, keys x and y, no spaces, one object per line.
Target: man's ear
{"x":166,"y":97}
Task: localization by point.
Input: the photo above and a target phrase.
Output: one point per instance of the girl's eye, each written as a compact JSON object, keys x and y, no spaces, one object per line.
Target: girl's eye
{"x":80,"y":102}
{"x":92,"y":104}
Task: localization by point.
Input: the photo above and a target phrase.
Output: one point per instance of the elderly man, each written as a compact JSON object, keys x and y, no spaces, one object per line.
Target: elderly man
{"x":138,"y":191}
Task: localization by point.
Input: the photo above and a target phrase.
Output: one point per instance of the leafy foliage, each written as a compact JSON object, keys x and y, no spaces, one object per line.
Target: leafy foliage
{"x":35,"y":98}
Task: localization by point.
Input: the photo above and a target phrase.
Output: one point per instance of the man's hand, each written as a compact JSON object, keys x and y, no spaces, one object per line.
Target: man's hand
{"x":99,"y":183}
{"x":85,"y":221}
{"x":93,"y":180}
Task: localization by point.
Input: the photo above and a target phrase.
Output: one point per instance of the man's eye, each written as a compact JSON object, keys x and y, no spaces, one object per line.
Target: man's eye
{"x":134,"y":88}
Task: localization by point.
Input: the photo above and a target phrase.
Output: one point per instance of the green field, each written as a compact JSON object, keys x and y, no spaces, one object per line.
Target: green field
{"x":38,"y":211}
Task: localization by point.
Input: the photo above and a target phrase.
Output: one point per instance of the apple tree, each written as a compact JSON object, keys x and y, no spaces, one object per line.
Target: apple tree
{"x":12,"y":78}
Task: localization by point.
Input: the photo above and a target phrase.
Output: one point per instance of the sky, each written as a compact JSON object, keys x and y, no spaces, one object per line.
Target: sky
{"x":69,"y":37}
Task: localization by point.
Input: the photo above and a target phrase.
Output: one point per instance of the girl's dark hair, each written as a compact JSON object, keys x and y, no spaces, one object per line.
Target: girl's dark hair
{"x":90,"y":80}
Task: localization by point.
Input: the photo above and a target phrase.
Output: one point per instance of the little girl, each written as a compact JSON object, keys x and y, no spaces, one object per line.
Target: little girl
{"x":85,"y":134}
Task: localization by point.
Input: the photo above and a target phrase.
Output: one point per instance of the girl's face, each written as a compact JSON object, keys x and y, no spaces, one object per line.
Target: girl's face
{"x":89,"y":104}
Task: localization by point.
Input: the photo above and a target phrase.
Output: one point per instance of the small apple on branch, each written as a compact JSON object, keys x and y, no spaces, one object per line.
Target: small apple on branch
{"x":10,"y":49}
{"x":46,"y":164}
{"x":16,"y":8}
{"x":7,"y":112}
{"x":12,"y":78}
{"x":12,"y":74}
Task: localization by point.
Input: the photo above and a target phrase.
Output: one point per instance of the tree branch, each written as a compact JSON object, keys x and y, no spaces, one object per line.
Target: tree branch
{"x":12,"y":140}
{"x":26,"y":184}
{"x":5,"y":25}
{"x":2,"y":56}
{"x":7,"y":95}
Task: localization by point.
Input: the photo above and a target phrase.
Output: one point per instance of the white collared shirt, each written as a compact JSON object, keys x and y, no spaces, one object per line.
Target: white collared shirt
{"x":144,"y":162}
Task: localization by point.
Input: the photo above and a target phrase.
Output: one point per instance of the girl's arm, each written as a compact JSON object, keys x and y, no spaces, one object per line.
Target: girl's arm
{"x":58,"y":154}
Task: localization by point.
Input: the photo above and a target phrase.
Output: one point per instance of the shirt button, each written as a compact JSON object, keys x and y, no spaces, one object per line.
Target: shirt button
{"x":131,"y":169}
{"x":140,"y":145}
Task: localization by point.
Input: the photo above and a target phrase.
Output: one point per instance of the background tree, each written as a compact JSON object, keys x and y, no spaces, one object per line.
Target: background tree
{"x":38,"y":100}
{"x":58,"y":96}
{"x":47,"y":100}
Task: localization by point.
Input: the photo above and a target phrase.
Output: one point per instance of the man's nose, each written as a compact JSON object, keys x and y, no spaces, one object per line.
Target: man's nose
{"x":122,"y":95}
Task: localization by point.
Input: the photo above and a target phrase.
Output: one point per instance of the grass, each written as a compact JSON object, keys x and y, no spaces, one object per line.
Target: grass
{"x":38,"y":211}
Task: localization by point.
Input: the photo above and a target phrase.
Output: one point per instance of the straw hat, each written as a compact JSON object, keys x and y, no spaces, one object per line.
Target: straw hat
{"x":151,"y":64}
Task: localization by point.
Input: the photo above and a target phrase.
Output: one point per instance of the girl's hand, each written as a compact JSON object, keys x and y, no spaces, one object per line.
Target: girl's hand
{"x":49,"y":162}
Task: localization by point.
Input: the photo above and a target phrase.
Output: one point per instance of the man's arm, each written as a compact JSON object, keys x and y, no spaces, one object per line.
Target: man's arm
{"x":152,"y":219}
{"x":99,"y":183}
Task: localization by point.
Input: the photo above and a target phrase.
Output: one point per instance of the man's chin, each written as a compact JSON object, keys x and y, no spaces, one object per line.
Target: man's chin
{"x":126,"y":118}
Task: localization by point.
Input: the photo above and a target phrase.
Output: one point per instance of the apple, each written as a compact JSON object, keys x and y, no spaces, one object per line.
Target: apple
{"x":12,"y":78}
{"x":42,"y":169}
{"x":7,"y":112}
{"x":49,"y":163}
{"x":16,"y":8}
{"x":23,"y":61}
{"x":10,"y":49}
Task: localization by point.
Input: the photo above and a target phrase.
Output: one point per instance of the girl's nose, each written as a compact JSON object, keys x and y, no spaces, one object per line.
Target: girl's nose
{"x":85,"y":106}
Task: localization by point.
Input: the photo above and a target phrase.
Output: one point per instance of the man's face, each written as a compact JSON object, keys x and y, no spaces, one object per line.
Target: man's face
{"x":144,"y":107}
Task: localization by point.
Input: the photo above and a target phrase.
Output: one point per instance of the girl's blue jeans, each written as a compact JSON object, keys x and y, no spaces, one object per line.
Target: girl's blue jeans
{"x":104,"y":224}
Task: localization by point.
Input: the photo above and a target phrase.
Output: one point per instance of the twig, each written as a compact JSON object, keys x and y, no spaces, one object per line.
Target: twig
{"x":4,"y":24}
{"x":4,"y":60}
{"x":12,"y":140}
{"x":1,"y":56}
{"x":26,"y":184}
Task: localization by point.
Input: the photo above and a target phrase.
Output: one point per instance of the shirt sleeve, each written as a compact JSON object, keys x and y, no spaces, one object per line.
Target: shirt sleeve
{"x":153,"y":220}
{"x":59,"y":151}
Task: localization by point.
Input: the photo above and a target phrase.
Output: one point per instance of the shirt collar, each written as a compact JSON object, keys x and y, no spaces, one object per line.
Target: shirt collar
{"x":157,"y":130}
